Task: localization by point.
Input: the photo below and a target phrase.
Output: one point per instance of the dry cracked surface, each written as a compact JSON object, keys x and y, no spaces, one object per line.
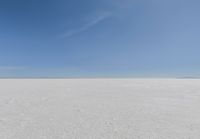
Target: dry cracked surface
{"x":99,"y":109}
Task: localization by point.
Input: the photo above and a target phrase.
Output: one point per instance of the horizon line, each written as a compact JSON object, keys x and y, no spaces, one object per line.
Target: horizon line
{"x":43,"y":77}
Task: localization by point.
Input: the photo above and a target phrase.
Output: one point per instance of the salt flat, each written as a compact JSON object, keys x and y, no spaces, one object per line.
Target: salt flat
{"x":99,"y":109}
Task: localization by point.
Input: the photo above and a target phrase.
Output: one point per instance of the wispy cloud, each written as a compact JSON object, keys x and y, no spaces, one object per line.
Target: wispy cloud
{"x":92,"y":22}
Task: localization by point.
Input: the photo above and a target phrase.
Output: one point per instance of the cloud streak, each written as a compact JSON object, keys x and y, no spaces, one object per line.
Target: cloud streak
{"x":91,"y":23}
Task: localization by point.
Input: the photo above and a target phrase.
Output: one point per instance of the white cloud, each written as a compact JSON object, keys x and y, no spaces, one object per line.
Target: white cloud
{"x":95,"y":20}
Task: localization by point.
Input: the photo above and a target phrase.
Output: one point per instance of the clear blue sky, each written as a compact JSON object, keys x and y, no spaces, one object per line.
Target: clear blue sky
{"x":99,"y":38}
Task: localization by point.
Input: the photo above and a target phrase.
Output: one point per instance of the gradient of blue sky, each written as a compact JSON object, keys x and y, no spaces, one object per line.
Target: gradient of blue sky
{"x":84,"y":38}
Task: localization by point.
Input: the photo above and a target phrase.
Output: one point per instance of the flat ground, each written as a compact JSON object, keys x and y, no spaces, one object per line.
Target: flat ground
{"x":99,"y":109}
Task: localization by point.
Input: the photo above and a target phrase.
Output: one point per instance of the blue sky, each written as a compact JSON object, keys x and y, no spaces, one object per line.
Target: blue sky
{"x":99,"y":38}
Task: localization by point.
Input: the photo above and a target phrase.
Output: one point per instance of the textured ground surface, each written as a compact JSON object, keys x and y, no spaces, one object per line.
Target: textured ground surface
{"x":100,"y":109}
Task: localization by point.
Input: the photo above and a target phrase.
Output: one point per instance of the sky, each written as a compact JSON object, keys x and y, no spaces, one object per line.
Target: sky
{"x":99,"y":38}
